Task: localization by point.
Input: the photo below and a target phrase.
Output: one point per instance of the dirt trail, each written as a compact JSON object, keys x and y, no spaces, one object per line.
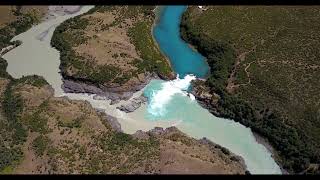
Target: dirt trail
{"x":231,"y":86}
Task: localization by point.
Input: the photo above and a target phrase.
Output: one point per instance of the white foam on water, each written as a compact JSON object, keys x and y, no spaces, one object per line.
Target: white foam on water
{"x":171,"y":102}
{"x":38,"y":57}
{"x":160,"y":98}
{"x":192,"y":97}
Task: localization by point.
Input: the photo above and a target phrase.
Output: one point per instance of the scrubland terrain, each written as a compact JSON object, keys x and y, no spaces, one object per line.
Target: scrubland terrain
{"x":264,"y":73}
{"x":44,"y":134}
{"x":111,"y":47}
{"x":17,"y":19}
{"x":41,"y":134}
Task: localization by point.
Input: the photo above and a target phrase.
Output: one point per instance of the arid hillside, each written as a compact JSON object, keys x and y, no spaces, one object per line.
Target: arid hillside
{"x":111,"y":47}
{"x":44,"y":134}
{"x":15,"y":20}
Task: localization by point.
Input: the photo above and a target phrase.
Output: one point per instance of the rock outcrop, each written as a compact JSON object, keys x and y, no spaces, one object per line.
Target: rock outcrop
{"x":206,"y":98}
{"x":115,"y":94}
{"x":133,"y":104}
{"x":114,"y":123}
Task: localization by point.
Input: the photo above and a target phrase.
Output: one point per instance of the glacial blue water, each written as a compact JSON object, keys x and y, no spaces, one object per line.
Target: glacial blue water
{"x":168,"y":101}
{"x":183,"y":58}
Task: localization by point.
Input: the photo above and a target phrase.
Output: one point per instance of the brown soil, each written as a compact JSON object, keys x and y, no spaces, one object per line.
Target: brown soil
{"x":231,"y":86}
{"x":109,"y":46}
{"x":40,"y":11}
{"x":177,"y":157}
{"x":71,"y":148}
{"x":7,"y":16}
{"x":3,"y":84}
{"x":105,"y":46}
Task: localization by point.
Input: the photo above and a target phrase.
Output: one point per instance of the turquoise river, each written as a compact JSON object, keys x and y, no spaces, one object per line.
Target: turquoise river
{"x":169,"y":103}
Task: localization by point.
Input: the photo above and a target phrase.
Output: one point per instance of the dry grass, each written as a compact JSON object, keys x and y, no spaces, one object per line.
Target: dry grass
{"x":91,"y":146}
{"x":111,"y":46}
{"x":6,"y":15}
{"x":3,"y":84}
{"x":180,"y":154}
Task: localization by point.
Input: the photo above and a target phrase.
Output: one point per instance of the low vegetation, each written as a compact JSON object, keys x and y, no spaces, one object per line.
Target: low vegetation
{"x":264,"y":67}
{"x":22,"y":22}
{"x":129,"y":52}
{"x":3,"y":68}
{"x":152,"y":60}
{"x":40,"y":144}
{"x":14,"y":131}
{"x":44,"y":134}
{"x":119,"y":152}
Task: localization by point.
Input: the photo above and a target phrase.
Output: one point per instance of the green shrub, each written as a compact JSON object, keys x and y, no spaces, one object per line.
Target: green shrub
{"x":3,"y":68}
{"x":33,"y":80}
{"x":40,"y":144}
{"x":152,"y":59}
{"x":75,"y":123}
{"x":12,"y":107}
{"x":263,"y":104}
{"x":71,"y":33}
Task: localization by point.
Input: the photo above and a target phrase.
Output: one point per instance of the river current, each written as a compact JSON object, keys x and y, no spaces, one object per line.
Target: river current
{"x":169,"y":103}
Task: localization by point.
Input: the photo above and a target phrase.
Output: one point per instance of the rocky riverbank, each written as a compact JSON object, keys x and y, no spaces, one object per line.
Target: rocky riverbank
{"x":133,"y":104}
{"x":209,"y":100}
{"x":7,"y":49}
{"x":174,"y":135}
{"x":274,"y":154}
{"x":53,"y":11}
{"x":206,"y":98}
{"x":115,"y":94}
{"x":78,"y":130}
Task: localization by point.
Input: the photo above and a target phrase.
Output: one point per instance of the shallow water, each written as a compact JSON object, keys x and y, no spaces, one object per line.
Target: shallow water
{"x":169,"y":103}
{"x":35,"y":55}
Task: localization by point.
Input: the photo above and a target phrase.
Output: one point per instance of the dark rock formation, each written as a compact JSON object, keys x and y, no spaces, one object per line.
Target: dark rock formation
{"x":113,"y":121}
{"x":141,"y":135}
{"x":208,"y":100}
{"x":157,"y":131}
{"x":133,"y":105}
{"x":115,"y":94}
{"x":79,"y":87}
